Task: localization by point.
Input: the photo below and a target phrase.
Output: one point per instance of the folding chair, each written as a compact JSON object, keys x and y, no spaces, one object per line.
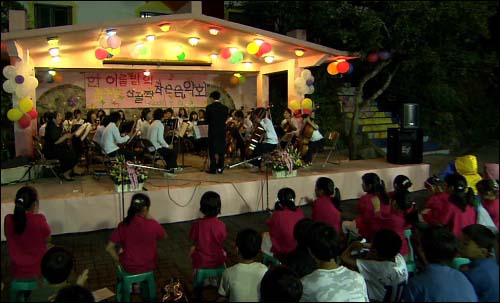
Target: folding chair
{"x":151,"y":153}
{"x":42,"y":162}
{"x":331,"y":140}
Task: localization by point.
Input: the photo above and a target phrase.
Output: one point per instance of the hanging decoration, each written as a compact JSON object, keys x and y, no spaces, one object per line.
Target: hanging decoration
{"x":109,"y":46}
{"x":24,"y":114}
{"x":259,"y":48}
{"x":307,"y":105}
{"x":304,"y":83}
{"x":20,"y":80}
{"x":339,"y":67}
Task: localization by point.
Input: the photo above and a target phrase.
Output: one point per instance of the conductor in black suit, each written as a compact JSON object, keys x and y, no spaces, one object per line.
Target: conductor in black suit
{"x":216,"y":115}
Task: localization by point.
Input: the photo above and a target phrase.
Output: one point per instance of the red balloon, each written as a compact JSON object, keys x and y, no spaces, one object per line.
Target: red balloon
{"x":101,"y":54}
{"x":33,"y":114}
{"x":265,"y":48}
{"x":225,"y":53}
{"x":372,"y":58}
{"x":259,"y":53}
{"x":343,"y":67}
{"x":25,"y":121}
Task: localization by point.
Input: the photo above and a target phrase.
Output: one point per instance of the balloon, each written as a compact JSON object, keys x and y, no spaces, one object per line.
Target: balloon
{"x":33,"y":114}
{"x":306,"y":74}
{"x":14,"y":114}
{"x":19,"y":79}
{"x":182,"y":56}
{"x":372,"y":58}
{"x":225,"y":53}
{"x":9,"y":71}
{"x":332,"y":68}
{"x":31,"y":82}
{"x":265,"y":48}
{"x":9,"y":86}
{"x":294,"y":105}
{"x":234,"y":80}
{"x":252,"y":48}
{"x":309,"y":82}
{"x":306,"y":111}
{"x":25,"y":121}
{"x":103,"y":41}
{"x":236,"y":57}
{"x":58,"y":78}
{"x":259,"y":53}
{"x":384,"y":55}
{"x":311,"y":90}
{"x":26,"y":104}
{"x":343,"y":67}
{"x":22,"y":91}
{"x":242,"y":79}
{"x":114,"y":41}
{"x":113,"y":51}
{"x":307,"y":104}
{"x":101,"y":54}
{"x":351,"y":69}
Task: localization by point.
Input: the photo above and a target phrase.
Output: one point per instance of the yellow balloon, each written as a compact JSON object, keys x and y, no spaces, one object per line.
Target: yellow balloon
{"x":26,"y":104}
{"x":113,"y":51}
{"x":252,"y":48}
{"x":14,"y":114}
{"x":294,"y":105}
{"x":307,"y":103}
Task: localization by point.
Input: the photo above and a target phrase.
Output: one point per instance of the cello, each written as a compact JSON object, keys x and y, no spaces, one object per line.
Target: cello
{"x":302,"y":144}
{"x":231,"y":127}
{"x":258,"y":133}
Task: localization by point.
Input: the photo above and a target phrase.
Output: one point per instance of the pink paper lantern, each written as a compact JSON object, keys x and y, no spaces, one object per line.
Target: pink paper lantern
{"x":101,"y":54}
{"x":25,"y":121}
{"x":225,"y":53}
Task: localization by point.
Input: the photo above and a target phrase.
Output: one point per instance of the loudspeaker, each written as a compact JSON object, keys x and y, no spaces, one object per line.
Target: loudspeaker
{"x":410,"y":115}
{"x":405,"y":145}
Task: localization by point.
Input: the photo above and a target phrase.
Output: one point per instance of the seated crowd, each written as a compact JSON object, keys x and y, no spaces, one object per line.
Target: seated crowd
{"x":324,"y":258}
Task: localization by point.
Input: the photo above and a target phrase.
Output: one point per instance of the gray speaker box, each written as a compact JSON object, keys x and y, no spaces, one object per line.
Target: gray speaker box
{"x":410,"y":116}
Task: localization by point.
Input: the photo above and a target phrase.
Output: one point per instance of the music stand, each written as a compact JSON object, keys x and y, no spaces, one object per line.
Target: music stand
{"x":200,"y":132}
{"x":182,"y":132}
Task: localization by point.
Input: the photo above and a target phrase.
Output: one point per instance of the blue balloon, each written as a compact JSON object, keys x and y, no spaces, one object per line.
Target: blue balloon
{"x":384,"y":55}
{"x":351,"y":68}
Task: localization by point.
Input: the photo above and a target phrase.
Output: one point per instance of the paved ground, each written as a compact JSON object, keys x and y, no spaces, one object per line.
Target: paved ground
{"x":88,"y":248}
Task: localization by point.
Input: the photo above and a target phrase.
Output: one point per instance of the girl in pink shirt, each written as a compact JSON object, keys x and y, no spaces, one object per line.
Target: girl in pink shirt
{"x":488,"y":191}
{"x":208,"y":234}
{"x":375,"y":200}
{"x":326,"y":207}
{"x":27,"y":234}
{"x":282,"y":223}
{"x":137,"y":235}
{"x":438,"y":199}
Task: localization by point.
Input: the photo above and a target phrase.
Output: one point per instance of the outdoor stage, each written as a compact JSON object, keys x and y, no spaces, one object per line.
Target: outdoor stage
{"x":89,"y":204}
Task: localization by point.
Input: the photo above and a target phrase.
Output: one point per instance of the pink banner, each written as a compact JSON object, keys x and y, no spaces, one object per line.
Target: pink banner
{"x":132,"y":89}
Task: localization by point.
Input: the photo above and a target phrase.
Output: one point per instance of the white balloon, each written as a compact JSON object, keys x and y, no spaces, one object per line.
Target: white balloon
{"x":31,"y":82}
{"x":311,"y":90}
{"x":306,"y":74}
{"x":23,"y":91}
{"x":25,"y":69}
{"x":9,"y":72}
{"x":9,"y":86}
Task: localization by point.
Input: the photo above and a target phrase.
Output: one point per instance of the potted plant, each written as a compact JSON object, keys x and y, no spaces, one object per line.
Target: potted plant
{"x":285,"y":163}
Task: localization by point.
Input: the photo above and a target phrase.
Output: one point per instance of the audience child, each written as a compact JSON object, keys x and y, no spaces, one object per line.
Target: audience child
{"x":300,"y":260}
{"x":330,"y":282}
{"x":208,"y":234}
{"x":383,"y":268}
{"x":241,"y":282}
{"x":280,"y":284}
{"x":488,"y":192}
{"x":400,"y":183}
{"x":477,"y":243}
{"x":375,"y":200}
{"x":438,"y":282}
{"x":74,"y":294}
{"x":465,"y":166}
{"x":137,"y":236}
{"x":435,"y":186}
{"x":326,"y":207}
{"x":456,"y":212}
{"x":57,"y":270}
{"x":27,"y":234}
{"x":490,"y":171}
{"x":281,"y":224}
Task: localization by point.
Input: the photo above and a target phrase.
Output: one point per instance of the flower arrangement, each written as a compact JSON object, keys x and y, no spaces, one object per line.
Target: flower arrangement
{"x":130,"y":175}
{"x":285,"y":160}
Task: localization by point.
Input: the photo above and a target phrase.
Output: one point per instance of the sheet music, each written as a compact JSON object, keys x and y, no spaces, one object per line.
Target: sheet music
{"x":183,"y":128}
{"x":200,"y":131}
{"x":102,"y":294}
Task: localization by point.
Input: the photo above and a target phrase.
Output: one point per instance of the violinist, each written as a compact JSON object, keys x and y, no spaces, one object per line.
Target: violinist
{"x":55,"y":146}
{"x":290,"y":127}
{"x":111,"y":138}
{"x":316,"y":141}
{"x":270,"y":139}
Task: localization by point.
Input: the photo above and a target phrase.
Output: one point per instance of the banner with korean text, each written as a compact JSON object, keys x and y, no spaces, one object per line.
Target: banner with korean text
{"x":132,"y":89}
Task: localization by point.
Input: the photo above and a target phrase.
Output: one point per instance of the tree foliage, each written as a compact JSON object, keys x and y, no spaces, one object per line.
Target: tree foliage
{"x":444,"y":52}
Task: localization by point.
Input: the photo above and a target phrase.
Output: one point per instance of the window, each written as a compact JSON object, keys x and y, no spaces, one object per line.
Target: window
{"x":151,"y":14}
{"x":52,"y":15}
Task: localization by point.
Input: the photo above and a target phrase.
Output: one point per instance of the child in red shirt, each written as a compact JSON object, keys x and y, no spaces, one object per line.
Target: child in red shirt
{"x":438,"y":199}
{"x":400,"y":183}
{"x":488,"y":191}
{"x":282,"y":223}
{"x":375,"y":200}
{"x":326,"y":207}
{"x":27,"y":234}
{"x":137,"y":235}
{"x":209,"y":234}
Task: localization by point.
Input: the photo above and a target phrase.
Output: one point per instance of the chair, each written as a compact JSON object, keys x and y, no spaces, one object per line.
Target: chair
{"x":269,"y":260}
{"x":126,"y":280}
{"x":458,"y":262}
{"x":411,"y":265}
{"x":101,"y":156}
{"x":208,"y":273}
{"x":331,"y":140}
{"x":19,"y":286}
{"x":151,"y":153}
{"x":42,"y":161}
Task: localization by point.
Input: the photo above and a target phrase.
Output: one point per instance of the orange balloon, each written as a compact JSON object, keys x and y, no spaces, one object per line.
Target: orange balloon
{"x":234,"y":80}
{"x":58,"y":78}
{"x":332,"y":68}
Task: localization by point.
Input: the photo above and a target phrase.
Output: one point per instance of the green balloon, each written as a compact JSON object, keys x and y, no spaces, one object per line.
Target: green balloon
{"x":236,"y":57}
{"x":182,"y":56}
{"x":242,"y":79}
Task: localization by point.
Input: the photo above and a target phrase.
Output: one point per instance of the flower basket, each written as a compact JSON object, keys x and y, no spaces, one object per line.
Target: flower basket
{"x":132,"y":177}
{"x":284,"y":173}
{"x":128,"y":187}
{"x":284,"y":163}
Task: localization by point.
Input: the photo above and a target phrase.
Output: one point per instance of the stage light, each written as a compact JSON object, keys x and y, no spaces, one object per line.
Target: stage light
{"x":258,"y":41}
{"x":165,"y":27}
{"x":52,"y":41}
{"x":233,"y":50}
{"x":299,"y":52}
{"x":146,"y":73}
{"x":247,"y":63}
{"x":150,"y":38}
{"x":193,"y":41}
{"x":111,"y":32}
{"x":237,"y":75}
{"x":52,"y":72}
{"x":269,"y":59}
{"x":214,"y":56}
{"x":56,"y":59}
{"x":214,"y":31}
{"x":54,"y":51}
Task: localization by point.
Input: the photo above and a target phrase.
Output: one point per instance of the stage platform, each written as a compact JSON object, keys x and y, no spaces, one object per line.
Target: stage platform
{"x":90,"y":204}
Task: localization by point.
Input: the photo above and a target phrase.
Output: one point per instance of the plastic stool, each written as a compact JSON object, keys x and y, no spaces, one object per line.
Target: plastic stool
{"x":411,"y":265}
{"x":125,"y":281}
{"x":457,"y":262}
{"x":207,"y":273}
{"x":269,"y":260}
{"x":20,"y":285}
